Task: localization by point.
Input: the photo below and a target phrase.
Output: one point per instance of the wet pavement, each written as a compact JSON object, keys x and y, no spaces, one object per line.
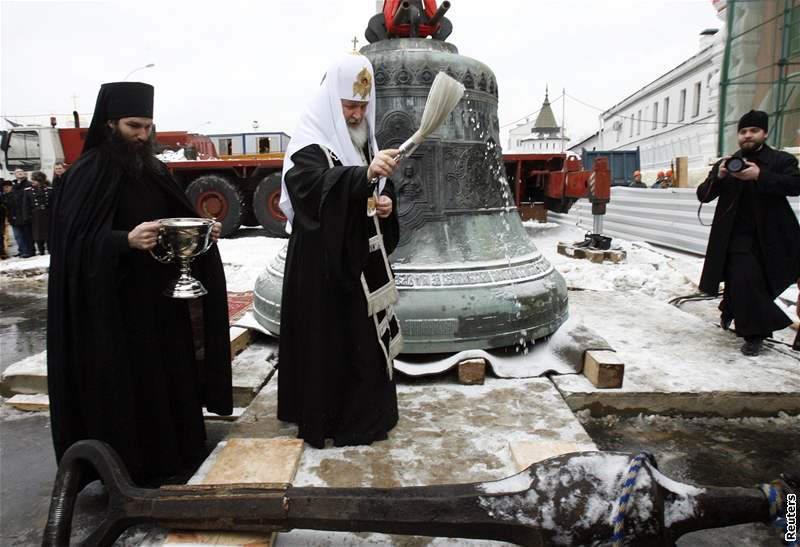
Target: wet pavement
{"x":27,"y":460}
{"x":713,"y":451}
{"x":23,"y":325}
{"x":709,"y":451}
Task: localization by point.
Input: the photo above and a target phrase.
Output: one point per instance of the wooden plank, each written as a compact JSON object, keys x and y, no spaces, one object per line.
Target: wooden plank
{"x":615,"y":255}
{"x":681,"y":172}
{"x":594,"y":255}
{"x":604,"y":369}
{"x":240,"y":339}
{"x":472,"y":371}
{"x":29,"y":402}
{"x":246,"y":461}
{"x":525,"y":453}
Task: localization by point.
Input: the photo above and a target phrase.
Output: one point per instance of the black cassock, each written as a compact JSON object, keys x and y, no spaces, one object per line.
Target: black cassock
{"x":122,"y":363}
{"x":754,"y":245}
{"x":332,"y":373}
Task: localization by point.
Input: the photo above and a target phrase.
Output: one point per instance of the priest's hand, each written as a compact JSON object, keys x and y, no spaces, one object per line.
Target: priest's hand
{"x":216,"y":231}
{"x":144,"y":236}
{"x":383,"y":164}
{"x":749,"y":173}
{"x":383,"y":208}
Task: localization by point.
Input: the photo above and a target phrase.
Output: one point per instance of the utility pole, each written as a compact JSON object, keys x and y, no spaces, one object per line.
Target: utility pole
{"x":563,"y":116}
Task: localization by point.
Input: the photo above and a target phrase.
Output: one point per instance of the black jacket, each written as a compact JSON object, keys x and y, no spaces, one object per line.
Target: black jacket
{"x":39,"y":198}
{"x":17,"y":204}
{"x":777,"y":229}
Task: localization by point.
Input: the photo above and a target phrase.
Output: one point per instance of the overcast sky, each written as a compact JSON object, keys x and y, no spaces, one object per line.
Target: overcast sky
{"x":220,"y":65}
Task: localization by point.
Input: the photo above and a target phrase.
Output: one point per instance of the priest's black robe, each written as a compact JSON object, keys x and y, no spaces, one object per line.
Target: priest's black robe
{"x":332,"y":373}
{"x":754,"y":245}
{"x":122,"y":366}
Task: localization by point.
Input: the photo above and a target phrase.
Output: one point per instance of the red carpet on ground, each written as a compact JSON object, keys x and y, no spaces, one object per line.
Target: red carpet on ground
{"x":238,"y":304}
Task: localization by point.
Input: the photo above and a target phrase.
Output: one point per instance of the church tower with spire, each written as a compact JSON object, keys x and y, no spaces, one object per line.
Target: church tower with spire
{"x":542,"y":136}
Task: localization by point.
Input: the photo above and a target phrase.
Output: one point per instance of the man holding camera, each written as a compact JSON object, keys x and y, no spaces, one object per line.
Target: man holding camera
{"x":754,"y":245}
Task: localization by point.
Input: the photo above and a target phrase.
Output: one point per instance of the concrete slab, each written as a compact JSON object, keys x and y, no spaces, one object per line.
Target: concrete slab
{"x":448,"y":433}
{"x":28,"y":376}
{"x":677,"y":363}
{"x":250,"y":370}
{"x":30,"y":403}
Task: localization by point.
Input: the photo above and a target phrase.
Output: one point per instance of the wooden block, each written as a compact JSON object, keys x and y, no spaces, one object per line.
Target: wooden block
{"x":472,"y":371}
{"x":525,"y":453}
{"x":566,"y":249}
{"x":533,"y":211}
{"x":246,"y":461}
{"x":604,"y":369}
{"x":594,"y":255}
{"x":29,"y":402}
{"x":240,"y":339}
{"x":615,"y":255}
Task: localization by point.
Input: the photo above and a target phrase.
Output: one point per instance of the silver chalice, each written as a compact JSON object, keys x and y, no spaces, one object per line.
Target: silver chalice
{"x":180,"y":240}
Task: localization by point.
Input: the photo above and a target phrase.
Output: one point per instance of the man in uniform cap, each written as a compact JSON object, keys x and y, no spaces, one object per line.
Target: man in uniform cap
{"x":126,"y":364}
{"x":754,"y":245}
{"x":338,"y":330}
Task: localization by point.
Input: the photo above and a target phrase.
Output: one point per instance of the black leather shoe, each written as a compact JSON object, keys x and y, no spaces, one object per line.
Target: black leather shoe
{"x":725,"y":322}
{"x":751,"y":348}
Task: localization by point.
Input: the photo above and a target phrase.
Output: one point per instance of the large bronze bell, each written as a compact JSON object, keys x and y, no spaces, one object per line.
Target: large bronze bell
{"x":469,"y":275}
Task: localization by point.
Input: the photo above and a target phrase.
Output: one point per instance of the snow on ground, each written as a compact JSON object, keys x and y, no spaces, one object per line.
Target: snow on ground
{"x":244,"y":258}
{"x":647,"y":270}
{"x":16,"y":267}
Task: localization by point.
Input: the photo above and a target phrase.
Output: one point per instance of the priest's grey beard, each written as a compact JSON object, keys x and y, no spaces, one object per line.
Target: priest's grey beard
{"x":359,"y":134}
{"x":137,"y":158}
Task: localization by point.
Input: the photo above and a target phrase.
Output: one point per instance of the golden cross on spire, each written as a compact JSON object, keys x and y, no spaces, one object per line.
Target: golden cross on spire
{"x":355,"y":44}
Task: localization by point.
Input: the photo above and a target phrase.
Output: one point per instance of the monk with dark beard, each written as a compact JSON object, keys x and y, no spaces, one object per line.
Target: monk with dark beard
{"x":125,"y":364}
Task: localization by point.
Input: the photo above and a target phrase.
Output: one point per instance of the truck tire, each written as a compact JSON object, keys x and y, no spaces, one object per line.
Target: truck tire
{"x":213,"y":196}
{"x":265,"y":205}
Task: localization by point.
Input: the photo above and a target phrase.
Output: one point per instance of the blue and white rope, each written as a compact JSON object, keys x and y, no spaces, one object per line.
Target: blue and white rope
{"x":625,"y":499}
{"x":776,"y":496}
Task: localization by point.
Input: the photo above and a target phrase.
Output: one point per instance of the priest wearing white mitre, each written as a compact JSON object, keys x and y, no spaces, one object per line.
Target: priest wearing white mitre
{"x":339,"y":333}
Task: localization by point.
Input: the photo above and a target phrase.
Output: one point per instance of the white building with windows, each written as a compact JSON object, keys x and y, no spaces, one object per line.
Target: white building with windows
{"x":675,"y":115}
{"x":543,"y":136}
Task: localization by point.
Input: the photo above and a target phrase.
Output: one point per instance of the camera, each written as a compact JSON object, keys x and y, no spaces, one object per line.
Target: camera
{"x":734,"y":164}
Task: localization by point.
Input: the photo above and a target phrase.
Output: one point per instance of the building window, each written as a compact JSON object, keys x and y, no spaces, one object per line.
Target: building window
{"x":682,"y":106}
{"x":666,"y":111}
{"x":655,"y":115}
{"x":631,"y":125}
{"x":226,"y":147}
{"x":696,"y":103}
{"x":639,"y":123}
{"x":263,"y":145}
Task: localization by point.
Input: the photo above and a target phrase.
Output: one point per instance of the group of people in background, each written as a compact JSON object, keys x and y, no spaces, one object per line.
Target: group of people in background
{"x":25,"y":206}
{"x":663,"y":180}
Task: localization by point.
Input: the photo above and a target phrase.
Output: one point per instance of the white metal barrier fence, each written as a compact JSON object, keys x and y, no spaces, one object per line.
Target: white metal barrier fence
{"x":665,"y":217}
